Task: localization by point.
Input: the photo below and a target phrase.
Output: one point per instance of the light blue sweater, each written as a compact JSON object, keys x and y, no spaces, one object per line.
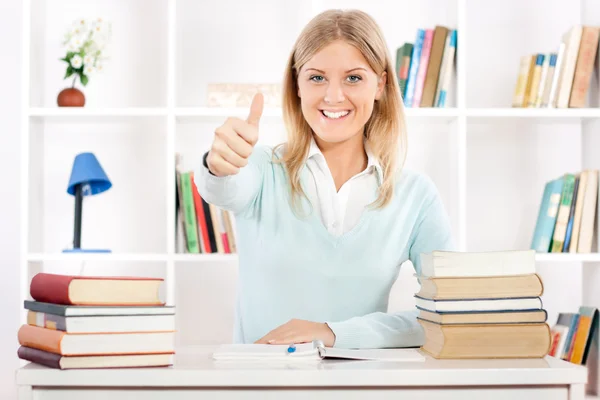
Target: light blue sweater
{"x":292,"y":267}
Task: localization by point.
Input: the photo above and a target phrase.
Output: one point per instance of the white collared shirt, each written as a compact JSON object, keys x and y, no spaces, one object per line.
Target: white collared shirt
{"x":340,"y":211}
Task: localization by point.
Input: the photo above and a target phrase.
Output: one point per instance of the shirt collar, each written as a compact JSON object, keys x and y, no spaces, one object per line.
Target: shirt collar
{"x":372,"y":162}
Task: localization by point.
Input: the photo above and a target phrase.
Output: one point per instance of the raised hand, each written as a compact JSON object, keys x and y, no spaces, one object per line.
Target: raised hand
{"x":234,"y":141}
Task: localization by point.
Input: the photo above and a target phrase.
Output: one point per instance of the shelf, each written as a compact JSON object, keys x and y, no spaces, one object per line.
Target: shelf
{"x":566,"y":114}
{"x":142,"y":257}
{"x":49,"y":112}
{"x":205,"y":257}
{"x":79,"y":257}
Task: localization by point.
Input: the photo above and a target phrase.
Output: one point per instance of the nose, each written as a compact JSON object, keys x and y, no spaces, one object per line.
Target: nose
{"x":334,"y":94}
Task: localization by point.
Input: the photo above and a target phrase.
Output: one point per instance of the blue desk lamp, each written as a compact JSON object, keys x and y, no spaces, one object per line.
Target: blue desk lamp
{"x":87,"y":179}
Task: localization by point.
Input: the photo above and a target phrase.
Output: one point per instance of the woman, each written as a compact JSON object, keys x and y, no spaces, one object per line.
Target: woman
{"x":325,"y":220}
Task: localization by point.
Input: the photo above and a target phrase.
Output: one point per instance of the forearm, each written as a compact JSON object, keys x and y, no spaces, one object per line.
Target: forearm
{"x":379,"y":330}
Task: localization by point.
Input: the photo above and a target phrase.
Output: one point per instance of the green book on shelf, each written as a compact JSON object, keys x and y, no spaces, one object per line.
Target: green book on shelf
{"x":189,"y":213}
{"x":564,"y":210}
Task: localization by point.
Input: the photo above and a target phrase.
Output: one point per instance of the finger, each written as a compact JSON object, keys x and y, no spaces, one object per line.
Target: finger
{"x":229,"y":155}
{"x":256,"y":109}
{"x":245,"y":130}
{"x":238,"y":145}
{"x":220,"y":167}
{"x":290,"y":339}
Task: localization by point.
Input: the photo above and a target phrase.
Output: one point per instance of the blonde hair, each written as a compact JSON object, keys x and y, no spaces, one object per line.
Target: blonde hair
{"x":385,"y":131}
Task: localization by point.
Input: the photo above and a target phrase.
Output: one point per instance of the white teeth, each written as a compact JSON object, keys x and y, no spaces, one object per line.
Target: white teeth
{"x":335,"y":115}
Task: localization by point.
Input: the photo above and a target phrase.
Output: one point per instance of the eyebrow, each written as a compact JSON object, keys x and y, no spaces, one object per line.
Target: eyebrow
{"x":350,"y":70}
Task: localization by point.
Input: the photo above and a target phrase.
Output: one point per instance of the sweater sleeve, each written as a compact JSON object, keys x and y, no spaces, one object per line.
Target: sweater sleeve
{"x":384,"y":330}
{"x":235,"y":193}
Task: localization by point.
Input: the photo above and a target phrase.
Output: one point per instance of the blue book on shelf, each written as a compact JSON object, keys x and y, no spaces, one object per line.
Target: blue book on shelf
{"x":544,"y":228}
{"x":414,"y":68}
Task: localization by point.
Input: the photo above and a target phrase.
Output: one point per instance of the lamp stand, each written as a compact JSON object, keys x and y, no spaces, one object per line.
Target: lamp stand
{"x":77,"y":226}
{"x":78,"y":209}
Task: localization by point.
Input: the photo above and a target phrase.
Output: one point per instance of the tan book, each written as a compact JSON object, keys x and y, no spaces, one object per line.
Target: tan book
{"x":497,"y":317}
{"x":585,"y":66}
{"x":492,"y":287}
{"x":571,"y":40}
{"x":435,"y":62}
{"x":486,"y":341}
{"x":529,"y":81}
{"x":519,"y":94}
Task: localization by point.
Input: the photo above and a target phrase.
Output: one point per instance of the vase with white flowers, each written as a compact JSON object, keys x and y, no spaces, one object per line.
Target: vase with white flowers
{"x":85,"y":44}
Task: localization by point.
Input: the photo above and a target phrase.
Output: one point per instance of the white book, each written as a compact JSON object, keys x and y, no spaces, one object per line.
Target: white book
{"x":468,"y":305}
{"x":490,"y":263}
{"x":311,"y":351}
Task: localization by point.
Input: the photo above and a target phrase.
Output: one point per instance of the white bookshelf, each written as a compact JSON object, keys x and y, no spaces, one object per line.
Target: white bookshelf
{"x":488,"y":160}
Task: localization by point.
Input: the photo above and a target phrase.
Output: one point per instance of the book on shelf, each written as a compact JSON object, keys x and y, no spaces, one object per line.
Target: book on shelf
{"x":575,"y":339}
{"x":200,"y":227}
{"x":482,"y":305}
{"x":96,"y":322}
{"x":424,"y":67}
{"x":559,"y":78}
{"x":567,"y":214}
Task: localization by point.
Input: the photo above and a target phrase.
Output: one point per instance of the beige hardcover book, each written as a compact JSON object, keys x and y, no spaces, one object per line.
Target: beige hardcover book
{"x":584,"y":66}
{"x":490,"y":287}
{"x":505,"y":317}
{"x":571,"y":39}
{"x":588,"y":214}
{"x":583,"y":177}
{"x":486,"y":340}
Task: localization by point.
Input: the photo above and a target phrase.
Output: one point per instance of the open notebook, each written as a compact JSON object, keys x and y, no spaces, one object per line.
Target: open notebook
{"x":311,"y":351}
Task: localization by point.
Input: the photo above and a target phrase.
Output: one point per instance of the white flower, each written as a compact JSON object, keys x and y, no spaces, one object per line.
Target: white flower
{"x":88,"y":60}
{"x":99,"y":66}
{"x":79,"y":27}
{"x":76,"y":61}
{"x":75,"y":43}
{"x":88,"y":70}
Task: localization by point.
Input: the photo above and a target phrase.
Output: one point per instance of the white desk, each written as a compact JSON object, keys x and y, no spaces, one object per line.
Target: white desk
{"x":196,"y":376}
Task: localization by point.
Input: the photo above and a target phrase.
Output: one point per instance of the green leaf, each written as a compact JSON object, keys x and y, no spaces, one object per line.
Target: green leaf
{"x":69,"y":72}
{"x":84,"y":79}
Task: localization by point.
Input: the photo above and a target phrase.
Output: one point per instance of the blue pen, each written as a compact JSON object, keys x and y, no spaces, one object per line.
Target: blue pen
{"x":291,"y":348}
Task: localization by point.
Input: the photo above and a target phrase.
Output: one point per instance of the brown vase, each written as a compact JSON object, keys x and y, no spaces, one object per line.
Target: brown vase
{"x":71,"y":97}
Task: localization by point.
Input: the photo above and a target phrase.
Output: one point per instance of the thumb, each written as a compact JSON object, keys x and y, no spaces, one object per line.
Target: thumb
{"x":256,"y":109}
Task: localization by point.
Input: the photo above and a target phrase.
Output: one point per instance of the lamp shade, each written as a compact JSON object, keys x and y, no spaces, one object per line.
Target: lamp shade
{"x":87,"y":169}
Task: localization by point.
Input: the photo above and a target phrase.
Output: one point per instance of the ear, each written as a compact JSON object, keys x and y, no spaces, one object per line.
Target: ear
{"x":381,"y":85}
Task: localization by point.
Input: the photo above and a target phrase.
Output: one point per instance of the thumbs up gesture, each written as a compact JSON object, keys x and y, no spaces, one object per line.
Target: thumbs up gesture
{"x":234,"y":141}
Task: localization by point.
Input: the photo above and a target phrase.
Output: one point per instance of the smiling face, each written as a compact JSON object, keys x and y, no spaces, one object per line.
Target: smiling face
{"x":337,"y":89}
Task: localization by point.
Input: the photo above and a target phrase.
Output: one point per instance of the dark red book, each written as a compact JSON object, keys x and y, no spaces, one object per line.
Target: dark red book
{"x":95,"y":290}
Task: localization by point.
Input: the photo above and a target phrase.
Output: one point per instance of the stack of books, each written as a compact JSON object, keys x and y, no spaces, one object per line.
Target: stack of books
{"x":97,"y":322}
{"x":482,"y":305}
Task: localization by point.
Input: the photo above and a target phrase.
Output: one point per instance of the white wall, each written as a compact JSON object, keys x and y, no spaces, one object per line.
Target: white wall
{"x":10,"y":75}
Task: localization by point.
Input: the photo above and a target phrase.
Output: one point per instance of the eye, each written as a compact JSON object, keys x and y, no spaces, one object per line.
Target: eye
{"x":354,"y":78}
{"x":316,"y":78}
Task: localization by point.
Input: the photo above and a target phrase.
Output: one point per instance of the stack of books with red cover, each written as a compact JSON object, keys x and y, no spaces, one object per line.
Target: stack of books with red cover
{"x":97,"y":322}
